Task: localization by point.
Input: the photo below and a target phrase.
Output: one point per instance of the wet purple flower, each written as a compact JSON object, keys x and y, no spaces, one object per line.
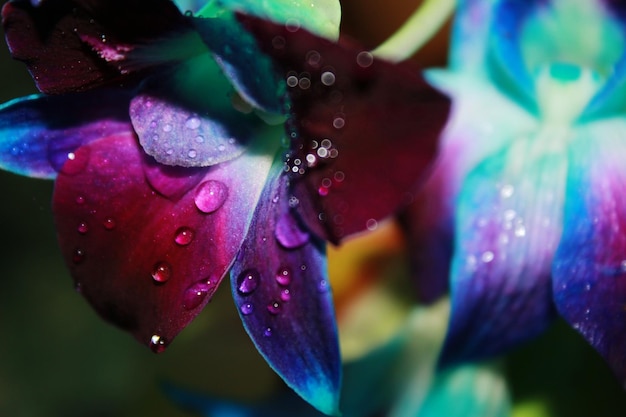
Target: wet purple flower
{"x":167,"y":174}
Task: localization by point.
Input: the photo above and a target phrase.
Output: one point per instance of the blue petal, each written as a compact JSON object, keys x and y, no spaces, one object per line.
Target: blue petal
{"x":508,"y":226}
{"x":187,"y":118}
{"x":285,"y":302}
{"x":249,"y":70}
{"x":38,"y":133}
{"x":589,"y":281}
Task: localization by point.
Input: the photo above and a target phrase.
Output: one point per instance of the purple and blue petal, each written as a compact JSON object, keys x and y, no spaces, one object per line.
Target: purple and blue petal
{"x":39,"y":133}
{"x":508,"y":226}
{"x":147,"y":256}
{"x":186,"y":117}
{"x":589,"y":269}
{"x":337,"y":92}
{"x":284,"y":299}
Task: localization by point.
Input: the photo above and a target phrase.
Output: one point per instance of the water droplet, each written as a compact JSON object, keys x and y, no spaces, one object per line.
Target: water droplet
{"x":292,"y":25}
{"x":487,"y":256}
{"x":78,"y":256}
{"x":328,"y":78}
{"x":157,"y":343}
{"x":267,"y":332}
{"x":184,"y":236}
{"x":304,"y":83}
{"x":167,"y":127}
{"x":192,"y":123}
{"x":200,"y":139}
{"x":283,"y":276}
{"x":246,"y":309}
{"x":364,"y":59}
{"x":192,"y":153}
{"x":248,"y":281}
{"x":371,"y":224}
{"x":339,"y":122}
{"x":322,"y":286}
{"x":80,"y":200}
{"x":274,"y":307}
{"x":506,"y":191}
{"x":109,"y":223}
{"x":292,"y":81}
{"x":210,"y":196}
{"x":289,"y":233}
{"x":76,"y":162}
{"x":195,"y":294}
{"x":313,"y":58}
{"x":161,"y":272}
{"x":83,"y":228}
{"x":285,"y":294}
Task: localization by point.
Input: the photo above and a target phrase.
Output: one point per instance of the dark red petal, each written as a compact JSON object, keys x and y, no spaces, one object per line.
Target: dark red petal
{"x":56,"y":38}
{"x":363,"y":130}
{"x":146,"y":262}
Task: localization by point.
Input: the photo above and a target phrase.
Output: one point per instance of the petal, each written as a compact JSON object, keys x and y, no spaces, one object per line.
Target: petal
{"x":55,"y":38}
{"x":239,"y":56}
{"x":508,"y":225}
{"x":285,"y":302}
{"x":187,"y":117}
{"x":37,"y":133}
{"x":589,"y":281}
{"x":321,"y":17}
{"x":363,"y":131}
{"x":146,"y":262}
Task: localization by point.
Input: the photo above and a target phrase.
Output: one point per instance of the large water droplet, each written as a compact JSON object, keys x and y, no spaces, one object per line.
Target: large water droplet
{"x":161,"y":272}
{"x":210,"y":196}
{"x":192,"y":123}
{"x":274,"y":307}
{"x":157,"y":343}
{"x":289,"y":233}
{"x":184,"y":236}
{"x":283,"y":276}
{"x":195,"y":295}
{"x":246,"y":309}
{"x":248,"y":281}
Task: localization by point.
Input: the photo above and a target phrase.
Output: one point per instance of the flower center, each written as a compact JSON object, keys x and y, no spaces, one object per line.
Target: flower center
{"x":564,"y":90}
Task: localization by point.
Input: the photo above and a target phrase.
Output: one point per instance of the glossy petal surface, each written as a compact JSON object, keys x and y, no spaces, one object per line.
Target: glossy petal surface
{"x":350,"y":113}
{"x":187,"y":117}
{"x":508,"y":225}
{"x":285,"y":302}
{"x":146,"y":262}
{"x":590,"y":265}
{"x":38,"y":133}
{"x":56,"y":39}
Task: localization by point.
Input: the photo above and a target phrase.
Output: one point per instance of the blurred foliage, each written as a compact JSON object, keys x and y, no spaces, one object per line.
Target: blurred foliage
{"x":57,"y":358}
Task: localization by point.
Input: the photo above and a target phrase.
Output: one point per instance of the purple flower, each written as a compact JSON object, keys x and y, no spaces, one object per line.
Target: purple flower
{"x":166,"y":178}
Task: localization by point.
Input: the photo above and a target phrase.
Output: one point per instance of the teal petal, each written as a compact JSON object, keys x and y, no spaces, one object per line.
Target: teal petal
{"x":321,"y":17}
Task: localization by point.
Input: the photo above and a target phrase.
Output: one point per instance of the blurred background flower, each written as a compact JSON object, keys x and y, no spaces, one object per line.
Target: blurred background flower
{"x":57,"y":358}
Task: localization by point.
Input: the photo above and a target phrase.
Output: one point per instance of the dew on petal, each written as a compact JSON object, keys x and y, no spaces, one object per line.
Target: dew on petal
{"x":76,"y":162}
{"x":285,"y":294}
{"x":246,"y":309}
{"x":274,"y":308}
{"x":161,"y":272}
{"x":195,"y":294}
{"x":109,"y":223}
{"x":192,"y":123}
{"x":78,"y":256}
{"x":339,"y":122}
{"x":210,"y":196}
{"x":267,"y":332}
{"x":80,"y":200}
{"x":487,"y":256}
{"x":289,"y":233}
{"x":322,"y":286}
{"x":248,"y":281}
{"x":328,"y":78}
{"x":157,"y":343}
{"x":364,"y":59}
{"x":283,"y":276}
{"x":371,"y":224}
{"x":82,"y":228}
{"x":184,"y":236}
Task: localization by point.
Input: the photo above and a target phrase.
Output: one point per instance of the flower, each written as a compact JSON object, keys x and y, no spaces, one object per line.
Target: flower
{"x":168,"y":172}
{"x":522,"y":212}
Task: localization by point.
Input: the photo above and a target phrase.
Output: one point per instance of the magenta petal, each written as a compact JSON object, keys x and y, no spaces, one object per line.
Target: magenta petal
{"x":589,"y":281}
{"x":363,"y":130}
{"x":285,"y":301}
{"x":53,"y":38}
{"x":145,"y":262}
